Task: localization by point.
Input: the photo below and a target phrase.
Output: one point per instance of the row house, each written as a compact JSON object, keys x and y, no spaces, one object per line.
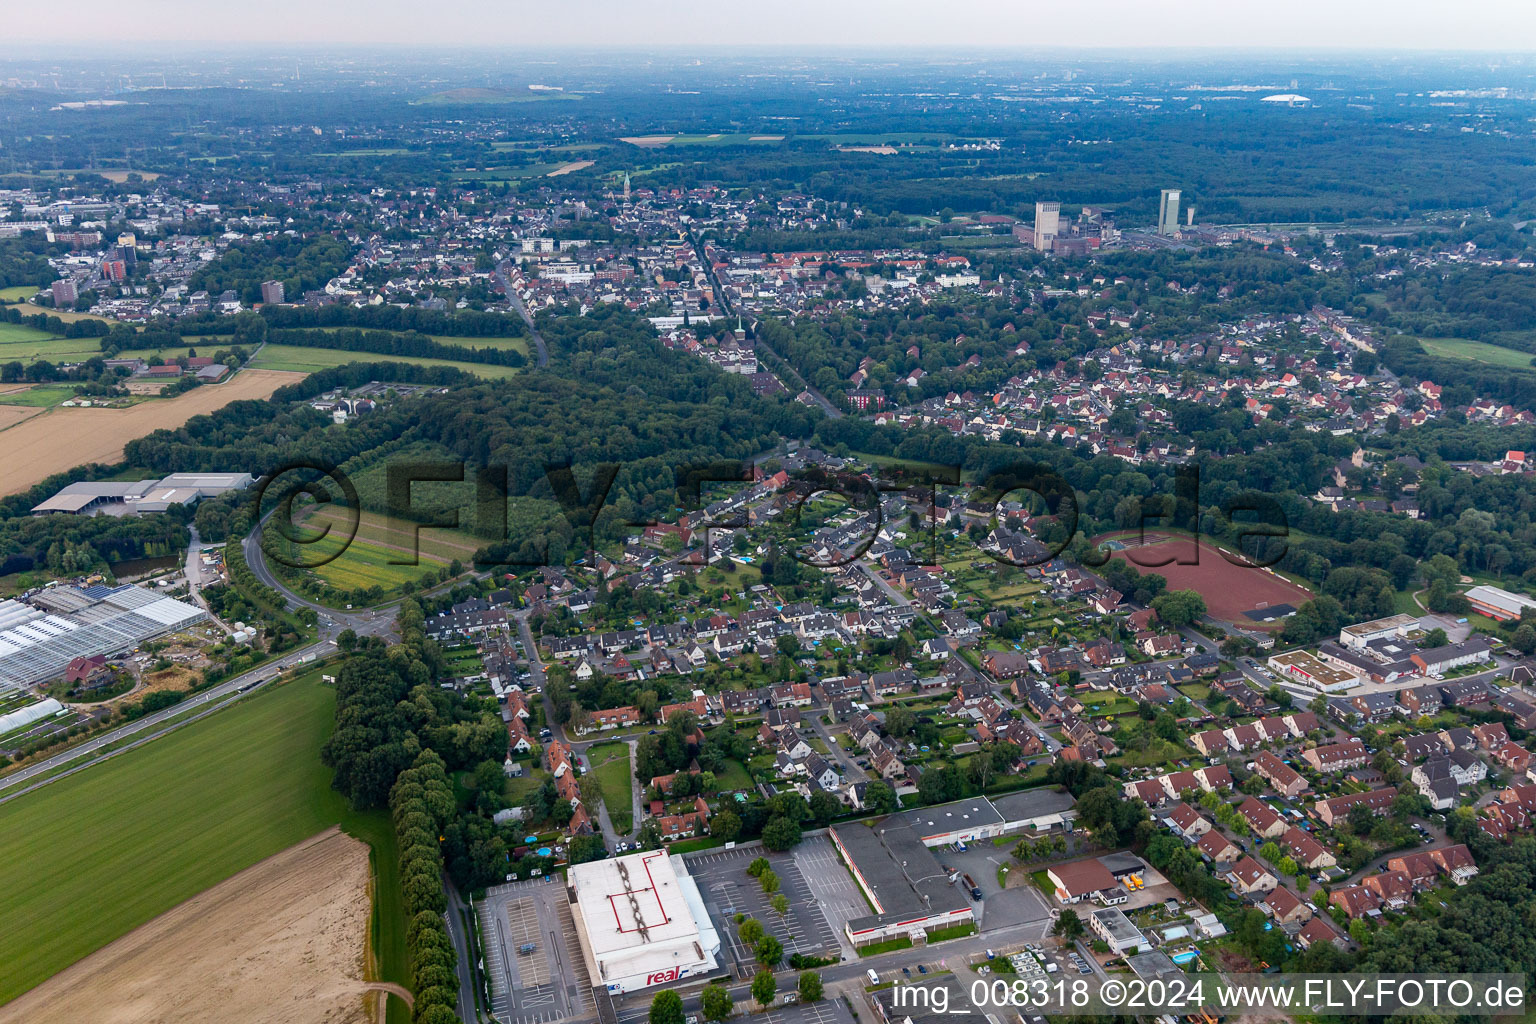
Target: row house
{"x":744,"y":702}
{"x":1356,"y":901}
{"x":792,"y":695}
{"x":1187,"y":822}
{"x":1148,"y":791}
{"x":1217,"y":848}
{"x":1263,"y":820}
{"x":1334,"y":810}
{"x":1305,"y":849}
{"x":1393,"y":889}
{"x":1249,"y":877}
{"x":702,"y":706}
{"x":1434,"y":781}
{"x":1425,"y":868}
{"x":685,"y":825}
{"x":1210,"y":742}
{"x":1336,"y":757}
{"x":612,"y":718}
{"x":1512,"y":811}
{"x":1285,"y":907}
{"x":1514,"y":758}
{"x":518,"y":740}
{"x":1286,"y":780}
{"x":1214,"y":777}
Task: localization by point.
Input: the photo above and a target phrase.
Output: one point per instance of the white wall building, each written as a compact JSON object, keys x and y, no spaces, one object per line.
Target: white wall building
{"x":642,"y":921}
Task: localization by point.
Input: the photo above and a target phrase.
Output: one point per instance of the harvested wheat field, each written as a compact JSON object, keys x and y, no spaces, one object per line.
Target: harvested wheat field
{"x":36,"y":448}
{"x":10,"y":415}
{"x":282,"y":942}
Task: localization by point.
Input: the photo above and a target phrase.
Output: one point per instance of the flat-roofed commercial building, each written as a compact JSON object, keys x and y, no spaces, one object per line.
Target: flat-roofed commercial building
{"x":41,"y":636}
{"x":641,"y":921}
{"x":134,"y":497}
{"x":1111,"y":925}
{"x":1362,"y":633}
{"x":1498,"y":603}
{"x":1314,"y":672}
{"x":909,"y":889}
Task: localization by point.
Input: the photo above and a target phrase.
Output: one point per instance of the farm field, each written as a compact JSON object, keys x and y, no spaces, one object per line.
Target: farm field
{"x":43,"y":396}
{"x":295,"y":923}
{"x":118,"y":175}
{"x":12,"y":333}
{"x":83,"y":861}
{"x":1477,"y":351}
{"x":27,"y":345}
{"x":367,"y":560}
{"x":610,"y":764}
{"x":63,"y":438}
{"x":463,"y":341}
{"x":294,"y":359}
{"x":1229,"y":590}
{"x":17,"y":293}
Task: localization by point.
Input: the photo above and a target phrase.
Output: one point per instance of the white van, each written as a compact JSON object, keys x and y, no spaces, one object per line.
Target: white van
{"x":874,"y":979}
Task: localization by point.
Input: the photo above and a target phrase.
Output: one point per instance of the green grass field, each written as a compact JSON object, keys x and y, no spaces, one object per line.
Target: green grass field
{"x":42,"y":396}
{"x":310,"y":360}
{"x":1476,"y":351}
{"x":368,"y":560}
{"x":17,"y":293}
{"x":90,"y":857}
{"x":733,"y":777}
{"x":610,"y":764}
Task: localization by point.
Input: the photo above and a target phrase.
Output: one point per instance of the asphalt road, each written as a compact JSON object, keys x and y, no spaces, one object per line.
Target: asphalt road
{"x":522,"y":311}
{"x":152,"y":726}
{"x":725,"y":303}
{"x":369,"y":622}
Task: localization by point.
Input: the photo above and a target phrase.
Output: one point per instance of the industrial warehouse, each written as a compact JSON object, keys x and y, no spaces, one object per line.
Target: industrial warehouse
{"x":136,"y":497}
{"x":39,"y":638}
{"x":892,"y":858}
{"x":641,"y":921}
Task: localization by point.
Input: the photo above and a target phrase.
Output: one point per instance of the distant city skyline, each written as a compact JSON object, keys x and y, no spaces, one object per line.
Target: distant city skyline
{"x":1502,"y":26}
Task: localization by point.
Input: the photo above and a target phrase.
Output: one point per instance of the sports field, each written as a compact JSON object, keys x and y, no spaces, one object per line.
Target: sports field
{"x":91,"y":857}
{"x":1229,"y":590}
{"x":310,"y":360}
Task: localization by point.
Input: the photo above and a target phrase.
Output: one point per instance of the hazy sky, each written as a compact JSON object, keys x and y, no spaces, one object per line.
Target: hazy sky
{"x":1497,"y":25}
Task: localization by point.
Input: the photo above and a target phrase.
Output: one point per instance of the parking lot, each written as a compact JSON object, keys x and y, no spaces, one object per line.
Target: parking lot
{"x":829,"y":1010}
{"x":824,"y":1011}
{"x":837,"y":895}
{"x":1021,"y":904}
{"x":728,"y":890}
{"x":548,"y":982}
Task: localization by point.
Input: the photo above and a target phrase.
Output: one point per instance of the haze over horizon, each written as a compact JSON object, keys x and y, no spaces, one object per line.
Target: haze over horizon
{"x":1494,"y":26}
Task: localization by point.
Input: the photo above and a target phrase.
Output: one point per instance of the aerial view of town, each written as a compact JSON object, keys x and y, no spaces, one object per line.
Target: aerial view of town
{"x":626,"y":516}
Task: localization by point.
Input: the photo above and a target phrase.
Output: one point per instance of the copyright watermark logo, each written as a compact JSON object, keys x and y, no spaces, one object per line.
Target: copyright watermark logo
{"x":285,"y":501}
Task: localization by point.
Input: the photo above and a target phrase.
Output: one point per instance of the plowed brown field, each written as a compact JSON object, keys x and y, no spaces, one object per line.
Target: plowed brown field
{"x":38,"y":447}
{"x":282,"y":942}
